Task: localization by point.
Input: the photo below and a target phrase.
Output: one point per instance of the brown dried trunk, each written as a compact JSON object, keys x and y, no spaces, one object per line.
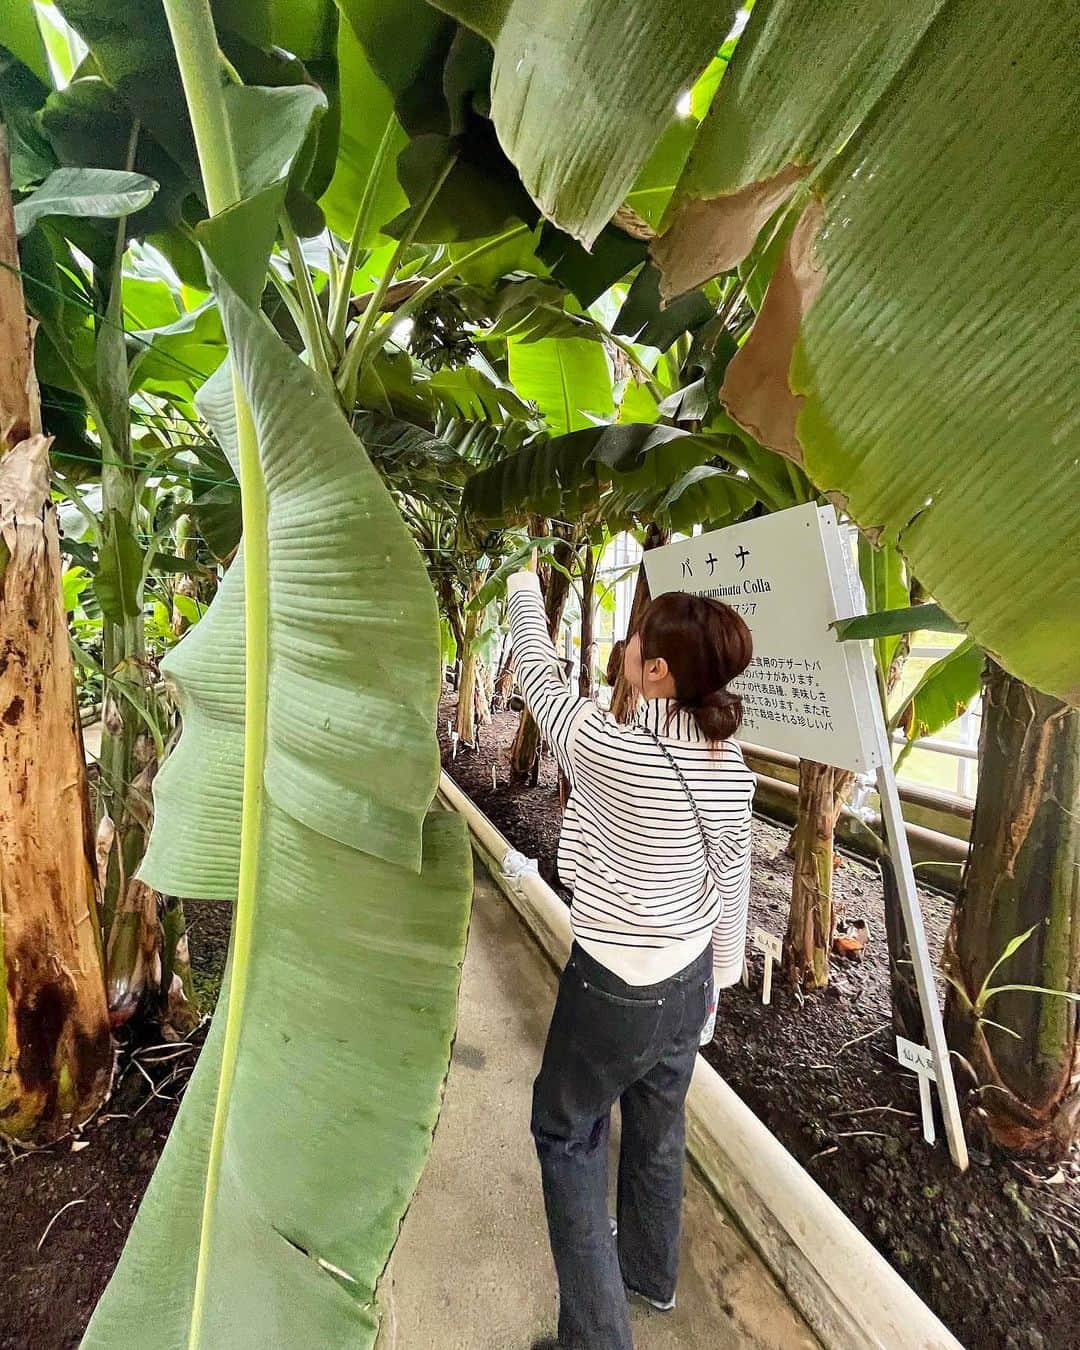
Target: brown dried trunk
{"x":56,"y":1056}
{"x":55,"y":1046}
{"x":810,"y":922}
{"x":1023,"y":872}
{"x":624,"y":698}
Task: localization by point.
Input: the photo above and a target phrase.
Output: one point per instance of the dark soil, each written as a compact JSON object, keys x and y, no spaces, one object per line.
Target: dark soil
{"x":67,"y":1209}
{"x":996,"y":1252}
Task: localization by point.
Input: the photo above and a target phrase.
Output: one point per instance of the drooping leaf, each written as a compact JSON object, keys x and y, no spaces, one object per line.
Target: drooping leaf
{"x":911,"y":619}
{"x":102,"y":193}
{"x":567,"y":378}
{"x":616,"y":471}
{"x":581,"y":98}
{"x":119,"y":574}
{"x":942,"y":694}
{"x":643,"y":319}
{"x":588,"y":273}
{"x":344,"y":986}
{"x":480,"y":196}
{"x":407,"y":43}
{"x":886,"y":384}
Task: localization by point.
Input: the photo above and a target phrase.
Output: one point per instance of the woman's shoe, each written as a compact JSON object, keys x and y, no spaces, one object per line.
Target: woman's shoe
{"x":656,"y":1303}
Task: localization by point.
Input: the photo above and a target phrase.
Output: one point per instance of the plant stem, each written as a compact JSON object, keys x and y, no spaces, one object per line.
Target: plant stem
{"x":316,"y":337}
{"x":192,"y":28}
{"x":349,"y":371}
{"x":339,"y":312}
{"x":288,"y":299}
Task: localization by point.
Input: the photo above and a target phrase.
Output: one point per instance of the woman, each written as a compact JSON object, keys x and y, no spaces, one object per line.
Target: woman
{"x":655,"y":846}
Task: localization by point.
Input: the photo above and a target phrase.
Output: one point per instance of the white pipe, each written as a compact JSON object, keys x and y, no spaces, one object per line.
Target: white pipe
{"x":844,"y":1288}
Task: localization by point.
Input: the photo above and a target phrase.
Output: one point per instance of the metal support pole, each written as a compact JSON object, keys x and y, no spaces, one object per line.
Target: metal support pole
{"x":920,"y":952}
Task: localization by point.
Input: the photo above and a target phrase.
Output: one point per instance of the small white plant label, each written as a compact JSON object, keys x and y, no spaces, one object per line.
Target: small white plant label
{"x":772,"y":947}
{"x":920,"y":1061}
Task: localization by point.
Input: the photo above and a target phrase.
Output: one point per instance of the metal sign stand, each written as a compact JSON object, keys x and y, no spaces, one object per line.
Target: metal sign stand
{"x":920,"y":953}
{"x":787,"y":550}
{"x":849,"y":601}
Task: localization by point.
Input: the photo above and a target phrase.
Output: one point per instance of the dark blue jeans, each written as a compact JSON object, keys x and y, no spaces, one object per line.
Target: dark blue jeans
{"x":614,"y":1042}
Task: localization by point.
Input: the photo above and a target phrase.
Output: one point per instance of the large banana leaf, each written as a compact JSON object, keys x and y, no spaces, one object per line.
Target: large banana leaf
{"x":620,"y":473}
{"x":352,"y":959}
{"x":582,"y":91}
{"x":278,"y":1198}
{"x":567,"y":378}
{"x":914,"y":351}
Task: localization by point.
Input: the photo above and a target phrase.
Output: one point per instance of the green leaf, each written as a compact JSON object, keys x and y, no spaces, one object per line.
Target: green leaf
{"x":912,"y":619}
{"x":407,"y":42}
{"x":480,"y":196}
{"x":885,"y":382}
{"x":119,"y":576}
{"x":881,"y":570}
{"x":350,"y":963}
{"x":643,"y":319}
{"x":802,"y":78}
{"x":179,"y":355}
{"x":102,"y":193}
{"x":90,"y":126}
{"x":366,"y":108}
{"x":943,"y":693}
{"x":20,"y":34}
{"x":189,"y":608}
{"x":74,"y":581}
{"x":567,"y":378}
{"x":581,"y":99}
{"x":1011,"y":947}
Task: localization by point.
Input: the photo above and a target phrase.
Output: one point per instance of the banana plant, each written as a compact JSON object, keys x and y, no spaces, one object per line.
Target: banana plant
{"x":300,"y":791}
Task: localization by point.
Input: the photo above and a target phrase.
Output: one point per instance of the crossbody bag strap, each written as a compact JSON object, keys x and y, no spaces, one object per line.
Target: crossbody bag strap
{"x":684,"y":784}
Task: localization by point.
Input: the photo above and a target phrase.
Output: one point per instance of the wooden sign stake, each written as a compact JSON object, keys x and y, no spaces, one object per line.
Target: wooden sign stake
{"x":772,"y":947}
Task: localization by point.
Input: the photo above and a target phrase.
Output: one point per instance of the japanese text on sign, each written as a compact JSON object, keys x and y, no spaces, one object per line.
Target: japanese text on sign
{"x":804,"y":691}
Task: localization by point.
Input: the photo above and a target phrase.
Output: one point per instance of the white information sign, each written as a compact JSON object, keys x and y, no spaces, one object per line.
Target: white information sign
{"x":787,"y":574}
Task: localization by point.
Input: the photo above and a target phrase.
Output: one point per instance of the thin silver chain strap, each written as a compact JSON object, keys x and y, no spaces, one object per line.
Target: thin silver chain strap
{"x":685,"y":786}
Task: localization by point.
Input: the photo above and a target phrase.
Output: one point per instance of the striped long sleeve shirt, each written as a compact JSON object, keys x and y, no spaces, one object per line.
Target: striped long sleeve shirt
{"x":647,"y":896}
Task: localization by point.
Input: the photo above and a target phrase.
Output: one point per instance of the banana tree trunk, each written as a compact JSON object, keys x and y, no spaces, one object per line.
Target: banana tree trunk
{"x":55,"y":1046}
{"x":810,"y":921}
{"x":1023,"y":871}
{"x":587,"y":673}
{"x":624,"y":698}
{"x":135,"y":953}
{"x":525,"y":751}
{"x":467,"y":681}
{"x":56,"y":1059}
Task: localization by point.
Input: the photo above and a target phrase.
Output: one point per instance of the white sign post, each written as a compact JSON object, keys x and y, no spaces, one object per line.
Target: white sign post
{"x":790,"y":576}
{"x":773,"y":948}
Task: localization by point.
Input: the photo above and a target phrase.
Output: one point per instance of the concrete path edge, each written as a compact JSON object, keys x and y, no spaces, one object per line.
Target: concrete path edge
{"x":845,"y":1289}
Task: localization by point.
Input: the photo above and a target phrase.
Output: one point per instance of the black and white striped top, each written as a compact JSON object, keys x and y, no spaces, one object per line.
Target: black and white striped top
{"x":646,"y":900}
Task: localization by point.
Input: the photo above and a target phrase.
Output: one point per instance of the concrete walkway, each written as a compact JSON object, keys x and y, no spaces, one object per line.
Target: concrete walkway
{"x":472,"y":1269}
